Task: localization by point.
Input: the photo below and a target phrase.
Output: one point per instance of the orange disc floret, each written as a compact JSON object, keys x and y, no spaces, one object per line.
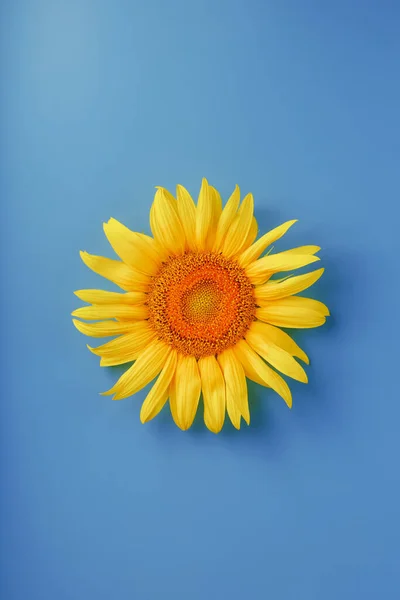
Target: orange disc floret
{"x":201,"y":304}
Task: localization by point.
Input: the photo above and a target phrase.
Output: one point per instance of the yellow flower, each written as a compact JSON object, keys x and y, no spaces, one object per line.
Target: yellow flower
{"x":200,"y":310}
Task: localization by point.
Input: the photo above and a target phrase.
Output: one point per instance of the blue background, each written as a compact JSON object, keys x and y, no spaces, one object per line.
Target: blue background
{"x":297,"y":102}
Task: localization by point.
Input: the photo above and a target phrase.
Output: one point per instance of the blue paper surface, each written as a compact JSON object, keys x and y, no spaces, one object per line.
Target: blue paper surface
{"x":297,"y":102}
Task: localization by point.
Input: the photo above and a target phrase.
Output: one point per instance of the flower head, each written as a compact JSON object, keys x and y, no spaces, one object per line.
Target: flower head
{"x":200,"y":310}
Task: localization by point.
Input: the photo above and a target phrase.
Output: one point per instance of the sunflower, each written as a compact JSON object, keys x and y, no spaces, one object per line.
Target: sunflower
{"x":200,"y":309}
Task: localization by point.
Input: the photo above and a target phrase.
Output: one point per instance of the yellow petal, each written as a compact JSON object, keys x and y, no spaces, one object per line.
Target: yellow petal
{"x":187,"y":215}
{"x":252,"y":253}
{"x":288,"y":287}
{"x":295,"y":312}
{"x":216,"y":202}
{"x":172,"y":399}
{"x":157,"y":252}
{"x":117,"y":272}
{"x":127,"y":347}
{"x":168,"y":194}
{"x":235,"y":385}
{"x":311,"y":303}
{"x":103,"y":328}
{"x":144,"y":370}
{"x":185,"y":391}
{"x":213,"y":387}
{"x":275,"y":356}
{"x":103,"y":297}
{"x":251,"y":236}
{"x":251,"y":362}
{"x":233,"y":412}
{"x":251,"y":373}
{"x":302,"y":250}
{"x":300,"y":302}
{"x":279,"y":279}
{"x":135,"y":249}
{"x":260,"y":270}
{"x":159,"y":393}
{"x":98,"y":312}
{"x":166,"y":224}
{"x":204,"y":215}
{"x":280,"y":338}
{"x":239,"y":230}
{"x":226,"y":219}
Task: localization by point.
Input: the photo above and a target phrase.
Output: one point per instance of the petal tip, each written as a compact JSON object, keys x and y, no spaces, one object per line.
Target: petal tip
{"x":204,"y":185}
{"x":108,"y":393}
{"x":183,"y":426}
{"x":76,"y":323}
{"x":213,"y":429}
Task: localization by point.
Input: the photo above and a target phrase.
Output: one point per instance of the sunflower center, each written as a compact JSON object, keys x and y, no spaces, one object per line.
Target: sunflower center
{"x":201,"y":304}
